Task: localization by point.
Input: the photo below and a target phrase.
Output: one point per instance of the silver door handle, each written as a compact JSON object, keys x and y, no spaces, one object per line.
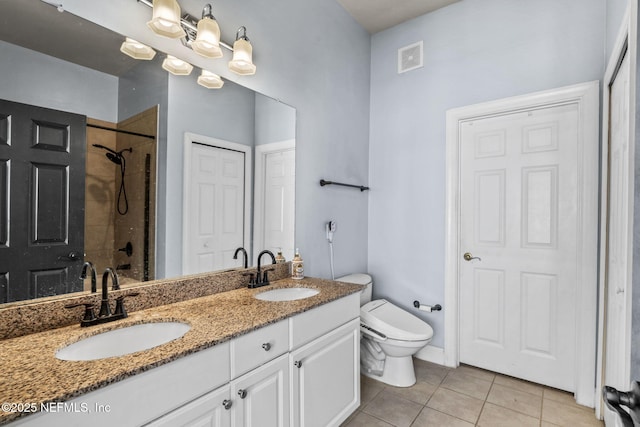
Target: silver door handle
{"x":468,"y":257}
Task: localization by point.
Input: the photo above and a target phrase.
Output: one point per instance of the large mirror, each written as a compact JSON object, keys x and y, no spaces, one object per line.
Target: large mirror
{"x":98,"y":177}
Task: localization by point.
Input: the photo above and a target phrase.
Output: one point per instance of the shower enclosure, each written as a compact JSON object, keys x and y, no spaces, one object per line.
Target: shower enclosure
{"x":121,"y":196}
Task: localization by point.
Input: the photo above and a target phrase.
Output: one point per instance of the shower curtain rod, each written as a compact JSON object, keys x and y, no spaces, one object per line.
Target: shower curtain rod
{"x":128,"y":132}
{"x":323,"y":183}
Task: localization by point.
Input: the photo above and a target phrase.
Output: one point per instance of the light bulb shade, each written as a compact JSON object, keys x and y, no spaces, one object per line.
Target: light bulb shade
{"x":176,"y":66}
{"x":166,"y":19}
{"x":137,"y":50}
{"x":242,"y":62}
{"x":207,"y":42}
{"x":210,"y":80}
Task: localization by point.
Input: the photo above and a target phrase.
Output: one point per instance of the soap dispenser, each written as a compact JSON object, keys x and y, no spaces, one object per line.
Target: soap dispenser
{"x":280,"y":258}
{"x":297,"y":266}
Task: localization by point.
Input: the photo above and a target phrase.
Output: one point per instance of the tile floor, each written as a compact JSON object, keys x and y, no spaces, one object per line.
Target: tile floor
{"x":466,"y":396}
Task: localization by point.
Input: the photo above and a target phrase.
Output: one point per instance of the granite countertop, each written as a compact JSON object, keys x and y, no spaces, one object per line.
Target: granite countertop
{"x":32,"y":373}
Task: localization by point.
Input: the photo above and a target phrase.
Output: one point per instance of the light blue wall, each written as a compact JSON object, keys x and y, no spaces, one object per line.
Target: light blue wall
{"x":275,"y":121}
{"x":474,"y":51}
{"x":311,"y":55}
{"x":615,"y":13}
{"x":37,"y":79}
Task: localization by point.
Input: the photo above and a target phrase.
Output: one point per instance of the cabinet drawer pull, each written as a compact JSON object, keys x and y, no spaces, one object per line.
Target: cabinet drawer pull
{"x":227,"y":404}
{"x":242,"y":393}
{"x":298,"y":364}
{"x":266,"y":346}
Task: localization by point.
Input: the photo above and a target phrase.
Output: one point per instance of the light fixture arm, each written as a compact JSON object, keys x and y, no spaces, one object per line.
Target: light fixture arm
{"x":244,"y":33}
{"x":187,"y":24}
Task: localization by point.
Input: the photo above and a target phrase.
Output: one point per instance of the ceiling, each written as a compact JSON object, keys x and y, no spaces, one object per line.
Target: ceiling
{"x":378,"y":15}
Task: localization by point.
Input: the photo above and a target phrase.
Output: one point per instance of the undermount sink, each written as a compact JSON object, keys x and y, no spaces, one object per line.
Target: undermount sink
{"x":119,"y":342}
{"x":286,"y":294}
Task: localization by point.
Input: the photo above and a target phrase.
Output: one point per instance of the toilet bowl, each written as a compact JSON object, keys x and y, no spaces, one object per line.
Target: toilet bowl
{"x":390,"y":337}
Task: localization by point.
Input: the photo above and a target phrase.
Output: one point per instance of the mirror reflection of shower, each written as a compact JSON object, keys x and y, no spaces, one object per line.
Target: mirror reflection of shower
{"x":118,"y":158}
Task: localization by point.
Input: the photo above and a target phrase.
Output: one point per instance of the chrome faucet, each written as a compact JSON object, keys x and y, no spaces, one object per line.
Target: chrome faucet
{"x":244,"y":253}
{"x":94,"y":278}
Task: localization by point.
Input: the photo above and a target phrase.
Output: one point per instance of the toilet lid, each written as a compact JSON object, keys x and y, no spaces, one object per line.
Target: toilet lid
{"x":394,"y":322}
{"x":357,"y":278}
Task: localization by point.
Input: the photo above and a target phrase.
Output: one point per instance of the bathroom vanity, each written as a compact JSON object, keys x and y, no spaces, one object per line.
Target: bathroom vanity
{"x":244,"y":362}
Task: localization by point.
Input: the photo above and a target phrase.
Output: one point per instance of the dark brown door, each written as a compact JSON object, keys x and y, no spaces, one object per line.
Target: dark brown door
{"x":42,"y":170}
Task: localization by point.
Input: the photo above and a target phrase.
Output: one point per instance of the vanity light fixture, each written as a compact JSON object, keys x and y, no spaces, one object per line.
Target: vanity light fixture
{"x":203,"y":37}
{"x":166,"y":19}
{"x":242,"y":62}
{"x":207,"y":42}
{"x":137,"y":50}
{"x":210,"y":80}
{"x":176,"y":66}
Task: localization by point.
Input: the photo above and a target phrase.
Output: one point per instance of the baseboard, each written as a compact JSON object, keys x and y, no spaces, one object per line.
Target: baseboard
{"x":431,"y":354}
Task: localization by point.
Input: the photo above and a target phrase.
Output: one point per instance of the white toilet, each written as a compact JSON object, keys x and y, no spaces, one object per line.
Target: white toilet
{"x":390,"y":337}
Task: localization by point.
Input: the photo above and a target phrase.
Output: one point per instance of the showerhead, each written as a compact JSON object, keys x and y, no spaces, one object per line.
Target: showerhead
{"x":115,"y":158}
{"x":105,"y":148}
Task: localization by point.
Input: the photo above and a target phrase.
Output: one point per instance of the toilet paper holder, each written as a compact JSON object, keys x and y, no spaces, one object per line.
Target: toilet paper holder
{"x":428,"y":308}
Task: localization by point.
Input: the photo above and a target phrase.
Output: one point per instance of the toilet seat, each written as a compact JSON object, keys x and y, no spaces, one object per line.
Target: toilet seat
{"x":394,"y":322}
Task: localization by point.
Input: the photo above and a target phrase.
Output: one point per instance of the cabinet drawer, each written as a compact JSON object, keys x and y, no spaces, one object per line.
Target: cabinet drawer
{"x":258,"y":347}
{"x":307,"y":326}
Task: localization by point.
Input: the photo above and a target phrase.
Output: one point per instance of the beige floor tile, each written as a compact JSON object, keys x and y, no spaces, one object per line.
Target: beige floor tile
{"x":497,"y":416}
{"x":547,"y":424}
{"x":369,"y":388}
{"x":456,"y":404}
{"x":560,"y":396}
{"x":476,"y":372}
{"x":420,"y":392}
{"x":518,"y":384}
{"x":365,"y":420}
{"x":568,"y":415}
{"x":467,"y":384}
{"x":432,"y":418}
{"x":393,"y":409}
{"x":516,"y":400}
{"x":429,"y":372}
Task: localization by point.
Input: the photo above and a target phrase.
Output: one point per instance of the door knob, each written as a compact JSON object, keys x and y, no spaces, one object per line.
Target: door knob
{"x":227,"y":404}
{"x":468,"y":257}
{"x":71,"y":256}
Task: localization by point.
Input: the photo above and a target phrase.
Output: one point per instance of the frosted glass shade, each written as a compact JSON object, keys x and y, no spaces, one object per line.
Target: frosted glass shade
{"x":207,"y":42}
{"x":242,"y":62}
{"x":137,"y":50}
{"x":210,"y":80}
{"x":166,"y":19}
{"x":177,"y":66}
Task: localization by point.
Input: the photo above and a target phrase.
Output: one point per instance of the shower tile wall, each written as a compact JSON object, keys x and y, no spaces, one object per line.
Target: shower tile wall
{"x":100,"y":191}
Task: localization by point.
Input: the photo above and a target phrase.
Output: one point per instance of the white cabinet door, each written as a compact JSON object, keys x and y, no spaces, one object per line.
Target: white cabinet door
{"x":261,"y":397}
{"x":325,"y":378}
{"x":211,"y":410}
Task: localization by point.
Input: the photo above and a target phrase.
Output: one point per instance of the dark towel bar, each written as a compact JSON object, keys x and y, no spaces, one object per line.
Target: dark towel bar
{"x":323,"y":183}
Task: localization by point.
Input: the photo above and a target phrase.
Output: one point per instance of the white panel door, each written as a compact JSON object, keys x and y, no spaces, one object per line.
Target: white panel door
{"x":275,"y":198}
{"x":618,"y":248}
{"x":215,"y":223}
{"x":518,"y":217}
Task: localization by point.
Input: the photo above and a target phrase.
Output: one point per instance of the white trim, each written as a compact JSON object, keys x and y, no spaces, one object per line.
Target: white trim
{"x":626,"y":34}
{"x":261,"y":158}
{"x":586,"y":96}
{"x":432,"y":354}
{"x":190,"y":138}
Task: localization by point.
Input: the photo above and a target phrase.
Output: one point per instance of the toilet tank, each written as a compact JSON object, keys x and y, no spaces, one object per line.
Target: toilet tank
{"x":360,"y":279}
